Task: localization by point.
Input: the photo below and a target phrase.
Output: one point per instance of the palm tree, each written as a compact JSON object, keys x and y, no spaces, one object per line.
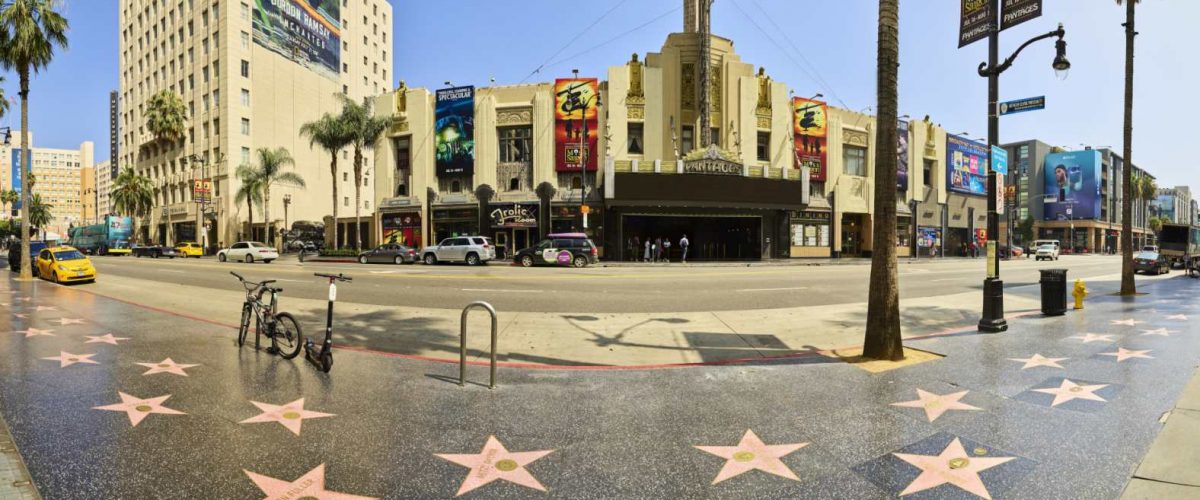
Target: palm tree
{"x":29,"y":31}
{"x":365,"y":130}
{"x":132,"y":196}
{"x":332,"y":135}
{"x":1128,"y":286}
{"x":166,"y":116}
{"x":269,"y":171}
{"x":3,"y":99}
{"x":39,"y":214}
{"x":9,"y":198}
{"x":250,"y":192}
{"x":883,"y":301}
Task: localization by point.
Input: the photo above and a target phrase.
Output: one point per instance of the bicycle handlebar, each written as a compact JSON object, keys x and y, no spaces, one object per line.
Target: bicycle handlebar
{"x":339,"y":276}
{"x":238,"y":276}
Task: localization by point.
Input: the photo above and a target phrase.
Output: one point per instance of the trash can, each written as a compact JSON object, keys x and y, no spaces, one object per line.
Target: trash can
{"x":1054,"y":292}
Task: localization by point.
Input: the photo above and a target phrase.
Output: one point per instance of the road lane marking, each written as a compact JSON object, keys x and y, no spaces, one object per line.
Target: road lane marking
{"x":772,"y":289}
{"x":171,"y":271}
{"x":494,"y":290}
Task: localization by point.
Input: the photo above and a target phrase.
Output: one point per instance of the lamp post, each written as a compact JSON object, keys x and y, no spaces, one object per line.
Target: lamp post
{"x":287,"y":200}
{"x":583,"y":154}
{"x":992,"y":319}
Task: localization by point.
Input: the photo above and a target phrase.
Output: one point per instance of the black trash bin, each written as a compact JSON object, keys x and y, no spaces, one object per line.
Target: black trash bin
{"x":1054,"y":292}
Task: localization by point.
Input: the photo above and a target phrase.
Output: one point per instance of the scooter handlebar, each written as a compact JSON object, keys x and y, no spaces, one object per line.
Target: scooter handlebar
{"x":339,"y":276}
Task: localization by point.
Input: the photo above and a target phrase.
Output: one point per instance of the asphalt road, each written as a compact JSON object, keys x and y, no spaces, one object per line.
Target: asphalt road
{"x":667,"y":288}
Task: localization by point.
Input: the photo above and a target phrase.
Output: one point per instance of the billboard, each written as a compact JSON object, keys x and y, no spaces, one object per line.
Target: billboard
{"x":574,"y":107}
{"x":1072,"y":185}
{"x":119,"y":228}
{"x":17,"y":174}
{"x":306,"y":32}
{"x":809,"y":128}
{"x":902,"y":155}
{"x":402,"y":228}
{"x":966,"y":166}
{"x":455,"y":129}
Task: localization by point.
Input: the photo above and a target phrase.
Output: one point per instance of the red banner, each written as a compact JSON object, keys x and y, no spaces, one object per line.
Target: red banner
{"x":575,"y":111}
{"x":810,"y":135}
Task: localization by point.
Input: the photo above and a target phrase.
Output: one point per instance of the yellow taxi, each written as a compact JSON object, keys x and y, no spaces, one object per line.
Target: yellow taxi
{"x":190,"y":249}
{"x":65,"y":265}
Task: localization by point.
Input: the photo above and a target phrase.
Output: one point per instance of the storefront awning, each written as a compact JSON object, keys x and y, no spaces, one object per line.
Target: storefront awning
{"x":818,"y":202}
{"x":902,"y":209}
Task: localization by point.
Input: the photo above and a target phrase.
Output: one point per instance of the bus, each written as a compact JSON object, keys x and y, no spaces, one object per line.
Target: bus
{"x":110,"y":237}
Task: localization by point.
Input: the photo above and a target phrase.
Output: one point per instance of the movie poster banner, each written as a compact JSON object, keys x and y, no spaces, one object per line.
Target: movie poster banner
{"x":810,"y":133}
{"x":455,"y":132}
{"x":966,"y":166}
{"x":574,"y":105}
{"x":974,"y":24}
{"x":1072,"y":181}
{"x":17,"y":173}
{"x":902,"y":155}
{"x":306,"y":32}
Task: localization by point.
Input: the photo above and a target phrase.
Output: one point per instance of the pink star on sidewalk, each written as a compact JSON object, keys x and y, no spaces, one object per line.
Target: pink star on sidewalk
{"x":1182,"y":317}
{"x":166,"y":366}
{"x":493,"y":463}
{"x":1123,"y":354}
{"x":66,"y":359}
{"x":951,"y":466}
{"x":310,"y":485}
{"x":750,"y":454}
{"x":290,"y":415}
{"x":106,"y":339}
{"x":1039,"y":360}
{"x":138,"y":408}
{"x":34,"y":332}
{"x":1070,"y":390}
{"x":935,"y":405}
{"x":1126,"y":322}
{"x":1088,"y":338}
{"x":1161,"y":332}
{"x":46,"y":308}
{"x":69,"y":321}
{"x":19,"y":315}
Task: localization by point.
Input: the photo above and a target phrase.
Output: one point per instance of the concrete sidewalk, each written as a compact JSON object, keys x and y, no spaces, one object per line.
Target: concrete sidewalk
{"x":1172,"y":467}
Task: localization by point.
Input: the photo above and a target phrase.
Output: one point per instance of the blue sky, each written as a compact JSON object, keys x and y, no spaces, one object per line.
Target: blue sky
{"x":829,"y":47}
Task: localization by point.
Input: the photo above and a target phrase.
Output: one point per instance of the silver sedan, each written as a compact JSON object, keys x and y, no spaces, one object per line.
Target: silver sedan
{"x":390,"y":253}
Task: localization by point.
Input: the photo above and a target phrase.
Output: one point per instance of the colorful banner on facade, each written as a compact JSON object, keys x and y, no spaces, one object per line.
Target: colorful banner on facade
{"x":17,"y":173}
{"x":306,"y":32}
{"x":202,"y":190}
{"x":975,"y":22}
{"x":966,"y":166}
{"x":455,"y":129}
{"x":1072,"y":185}
{"x":902,"y":155}
{"x":402,"y":228}
{"x":575,"y":112}
{"x":809,"y":127}
{"x":1014,"y":12}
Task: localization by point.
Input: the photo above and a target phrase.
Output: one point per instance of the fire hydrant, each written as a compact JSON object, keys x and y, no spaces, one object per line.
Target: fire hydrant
{"x":1079,"y":293}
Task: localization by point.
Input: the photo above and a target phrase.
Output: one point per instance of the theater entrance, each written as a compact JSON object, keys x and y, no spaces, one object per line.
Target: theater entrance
{"x":711,"y":237}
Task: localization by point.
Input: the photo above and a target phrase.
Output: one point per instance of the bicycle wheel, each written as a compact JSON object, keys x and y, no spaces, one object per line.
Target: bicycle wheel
{"x":245,"y":324}
{"x":286,"y":337}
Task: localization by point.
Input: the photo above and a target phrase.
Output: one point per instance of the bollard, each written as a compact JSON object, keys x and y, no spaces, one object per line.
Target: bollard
{"x":462,"y":355}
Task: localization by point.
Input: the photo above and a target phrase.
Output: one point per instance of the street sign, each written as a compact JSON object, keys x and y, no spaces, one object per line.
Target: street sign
{"x":1018,"y":11}
{"x":1022,"y":105}
{"x":1000,"y":160}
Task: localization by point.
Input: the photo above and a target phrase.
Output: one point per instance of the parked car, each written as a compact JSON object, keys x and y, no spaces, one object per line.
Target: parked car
{"x":1047,"y":252}
{"x":248,"y":251}
{"x":299,"y":245}
{"x":390,"y":253}
{"x":565,"y":249}
{"x":1151,"y":263}
{"x":190,"y":249}
{"x":64,"y":265}
{"x":473,"y":250}
{"x":154,"y":251}
{"x":1150,"y":248}
{"x":14,"y":255}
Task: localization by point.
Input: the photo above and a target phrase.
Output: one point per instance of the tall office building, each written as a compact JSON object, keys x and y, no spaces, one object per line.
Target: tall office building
{"x":114,"y":131}
{"x":250,"y":73}
{"x":104,"y":181}
{"x":57,"y":177}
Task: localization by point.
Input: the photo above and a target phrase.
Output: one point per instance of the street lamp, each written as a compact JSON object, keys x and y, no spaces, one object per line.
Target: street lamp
{"x":287,"y":200}
{"x":992,"y":319}
{"x":583,"y":154}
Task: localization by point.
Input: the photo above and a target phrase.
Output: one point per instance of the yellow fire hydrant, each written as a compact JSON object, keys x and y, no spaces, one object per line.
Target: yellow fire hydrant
{"x":1079,"y":293}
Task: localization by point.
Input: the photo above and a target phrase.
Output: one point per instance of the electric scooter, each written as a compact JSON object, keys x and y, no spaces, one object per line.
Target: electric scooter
{"x":322,"y":358}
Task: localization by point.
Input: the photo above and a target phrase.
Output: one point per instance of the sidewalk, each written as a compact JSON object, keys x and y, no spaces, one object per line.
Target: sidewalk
{"x":1172,"y":467}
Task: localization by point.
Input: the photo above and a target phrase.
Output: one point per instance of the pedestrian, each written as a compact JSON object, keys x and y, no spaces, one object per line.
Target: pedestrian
{"x":646,"y":256}
{"x":637,"y":245}
{"x":667,"y":250}
{"x":657,"y":249}
{"x":654,"y":251}
{"x":683,"y":245}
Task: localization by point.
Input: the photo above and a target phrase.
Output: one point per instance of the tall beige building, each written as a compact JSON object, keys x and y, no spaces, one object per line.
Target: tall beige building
{"x":104,"y":188}
{"x":58,"y":178}
{"x":250,"y":73}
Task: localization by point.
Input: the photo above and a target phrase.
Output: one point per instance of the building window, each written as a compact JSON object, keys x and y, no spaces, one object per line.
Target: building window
{"x":764,"y":146}
{"x":345,"y":201}
{"x":455,"y":186}
{"x":245,"y":97}
{"x":716,"y":136}
{"x":245,"y":69}
{"x":927,"y":172}
{"x":855,"y":160}
{"x":516,"y":144}
{"x":245,"y":12}
{"x":245,"y":155}
{"x":636,"y":142}
{"x":345,"y":176}
{"x":245,"y":40}
{"x":514,"y":184}
{"x":688,"y":140}
{"x":245,"y":126}
{"x":402,"y":191}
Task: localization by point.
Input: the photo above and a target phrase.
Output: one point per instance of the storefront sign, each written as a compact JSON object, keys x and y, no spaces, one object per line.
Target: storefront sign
{"x":809,"y":130}
{"x":902,"y":155}
{"x":811,"y":215}
{"x":454,"y":213}
{"x":1000,"y":160}
{"x":712,"y":166}
{"x":1022,"y":105}
{"x":515,"y":215}
{"x":975,"y":22}
{"x":575,"y":108}
{"x":304,"y":32}
{"x":966,"y":166}
{"x":1015,"y":12}
{"x":455,"y":132}
{"x":1072,"y":185}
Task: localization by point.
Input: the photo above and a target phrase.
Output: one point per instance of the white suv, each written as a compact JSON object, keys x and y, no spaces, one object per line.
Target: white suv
{"x":248,"y":251}
{"x":1047,"y":252}
{"x":473,"y":250}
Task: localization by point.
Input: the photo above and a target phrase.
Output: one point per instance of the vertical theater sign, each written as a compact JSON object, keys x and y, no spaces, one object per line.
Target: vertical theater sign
{"x":576,"y":114}
{"x":810,"y":136}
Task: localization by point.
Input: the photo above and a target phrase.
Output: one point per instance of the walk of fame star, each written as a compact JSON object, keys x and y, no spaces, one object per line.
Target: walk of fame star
{"x":1126,"y":322}
{"x":19,"y":315}
{"x":166,"y":366}
{"x":1162,"y":332}
{"x":952,"y":466}
{"x":750,"y":454}
{"x":1070,"y":390}
{"x":69,"y":321}
{"x":935,"y":405}
{"x":138,"y":408}
{"x":46,"y":308}
{"x":106,"y":339}
{"x":494,"y":463}
{"x":1123,"y":354}
{"x":1039,"y":360}
{"x":1181,"y":317}
{"x":290,"y":415}
{"x":34,"y":332}
{"x":310,"y":485}
{"x":1088,"y":338}
{"x":66,"y":359}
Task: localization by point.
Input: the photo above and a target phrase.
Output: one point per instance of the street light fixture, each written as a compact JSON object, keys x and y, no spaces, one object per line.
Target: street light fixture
{"x":287,"y":200}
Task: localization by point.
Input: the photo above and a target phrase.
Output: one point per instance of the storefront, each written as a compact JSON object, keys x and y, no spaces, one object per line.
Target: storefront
{"x":810,"y":233}
{"x":929,"y":241}
{"x":449,"y":222}
{"x":402,"y":227}
{"x":904,"y":230}
{"x":514,"y":226}
{"x":184,"y":232}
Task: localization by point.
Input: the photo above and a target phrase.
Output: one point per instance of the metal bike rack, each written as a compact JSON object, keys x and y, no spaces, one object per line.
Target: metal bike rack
{"x":462,"y":358}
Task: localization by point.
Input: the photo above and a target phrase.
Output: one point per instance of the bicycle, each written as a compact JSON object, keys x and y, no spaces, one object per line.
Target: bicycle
{"x":281,"y":327}
{"x":323,"y":358}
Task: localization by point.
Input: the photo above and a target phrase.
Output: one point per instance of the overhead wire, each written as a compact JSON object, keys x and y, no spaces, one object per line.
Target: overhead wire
{"x":573,"y":40}
{"x":820,"y":79}
{"x":615,"y":38}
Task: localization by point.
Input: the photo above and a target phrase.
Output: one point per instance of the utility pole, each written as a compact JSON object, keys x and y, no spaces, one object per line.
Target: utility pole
{"x":705,"y":74}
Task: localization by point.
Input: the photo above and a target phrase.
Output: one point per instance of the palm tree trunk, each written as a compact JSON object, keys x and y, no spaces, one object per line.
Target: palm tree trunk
{"x":267,"y":215}
{"x":1128,"y":286}
{"x":883,"y":301}
{"x":358,"y":159}
{"x":26,"y":168}
{"x":333,"y":169}
{"x":250,"y":217}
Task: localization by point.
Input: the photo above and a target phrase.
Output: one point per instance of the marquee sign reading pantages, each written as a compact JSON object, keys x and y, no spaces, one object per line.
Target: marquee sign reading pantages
{"x":712,"y":161}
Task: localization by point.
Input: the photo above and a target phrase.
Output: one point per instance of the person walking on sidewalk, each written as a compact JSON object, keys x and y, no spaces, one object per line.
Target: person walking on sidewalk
{"x":657,"y":249}
{"x":666,"y":249}
{"x":683,"y":246}
{"x":646,"y":256}
{"x":637,"y":247}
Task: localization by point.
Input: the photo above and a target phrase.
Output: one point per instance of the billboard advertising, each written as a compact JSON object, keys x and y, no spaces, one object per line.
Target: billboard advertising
{"x":966,"y":166}
{"x":810,"y":132}
{"x":306,"y":32}
{"x":17,"y":173}
{"x":455,"y":129}
{"x":902,"y":155}
{"x":119,"y":228}
{"x":574,"y":106}
{"x":1072,"y":185}
{"x":402,"y":228}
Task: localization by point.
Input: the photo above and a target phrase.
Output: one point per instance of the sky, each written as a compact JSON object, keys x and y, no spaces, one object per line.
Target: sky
{"x":825,"y":46}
